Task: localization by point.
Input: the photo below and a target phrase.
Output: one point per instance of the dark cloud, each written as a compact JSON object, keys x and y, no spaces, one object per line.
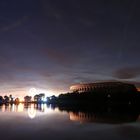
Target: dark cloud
{"x":127,"y":73}
{"x":67,"y":56}
{"x":53,"y":44}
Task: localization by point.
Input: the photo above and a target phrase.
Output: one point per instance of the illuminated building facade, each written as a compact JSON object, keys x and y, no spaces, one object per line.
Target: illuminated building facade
{"x":108,"y":87}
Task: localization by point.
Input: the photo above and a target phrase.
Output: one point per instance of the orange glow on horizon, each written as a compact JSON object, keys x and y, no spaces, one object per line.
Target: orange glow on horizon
{"x":21,"y":93}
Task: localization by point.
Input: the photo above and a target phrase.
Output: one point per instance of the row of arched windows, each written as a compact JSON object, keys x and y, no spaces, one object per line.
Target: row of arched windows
{"x":101,"y":87}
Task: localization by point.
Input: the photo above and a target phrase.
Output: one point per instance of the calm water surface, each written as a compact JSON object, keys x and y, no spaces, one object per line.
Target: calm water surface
{"x":43,"y":122}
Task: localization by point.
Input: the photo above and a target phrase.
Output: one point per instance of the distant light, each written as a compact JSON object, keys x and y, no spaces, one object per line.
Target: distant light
{"x":44,"y":100}
{"x":21,"y":100}
{"x":138,"y":88}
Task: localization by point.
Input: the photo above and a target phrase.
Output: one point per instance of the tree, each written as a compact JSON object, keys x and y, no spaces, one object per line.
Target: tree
{"x":11,"y":98}
{"x":39,"y":98}
{"x":36,"y":98}
{"x":17,"y":100}
{"x":27,"y":99}
{"x":6,"y":99}
{"x":1,"y":99}
{"x":42,"y":96}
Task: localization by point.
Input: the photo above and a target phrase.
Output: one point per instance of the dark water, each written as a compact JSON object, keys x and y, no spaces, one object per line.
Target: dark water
{"x":42,"y":122}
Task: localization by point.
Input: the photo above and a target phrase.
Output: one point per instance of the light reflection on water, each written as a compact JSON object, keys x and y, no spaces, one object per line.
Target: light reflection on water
{"x":41,"y":121}
{"x":32,"y":110}
{"x":35,"y":110}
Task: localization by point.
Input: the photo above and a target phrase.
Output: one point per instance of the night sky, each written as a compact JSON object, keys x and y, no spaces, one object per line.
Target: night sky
{"x":51,"y":44}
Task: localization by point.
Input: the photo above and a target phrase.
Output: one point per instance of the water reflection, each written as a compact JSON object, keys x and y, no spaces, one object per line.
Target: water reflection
{"x":78,"y":115}
{"x":32,"y":110}
{"x":103,"y":117}
{"x":40,"y":121}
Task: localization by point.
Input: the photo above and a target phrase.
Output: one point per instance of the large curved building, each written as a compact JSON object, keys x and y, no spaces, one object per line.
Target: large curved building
{"x":108,"y":87}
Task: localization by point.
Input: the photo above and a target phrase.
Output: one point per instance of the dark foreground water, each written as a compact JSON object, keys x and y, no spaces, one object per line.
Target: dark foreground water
{"x":39,"y":122}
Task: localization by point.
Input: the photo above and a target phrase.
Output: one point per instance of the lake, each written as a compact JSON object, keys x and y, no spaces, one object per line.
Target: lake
{"x":47,"y":122}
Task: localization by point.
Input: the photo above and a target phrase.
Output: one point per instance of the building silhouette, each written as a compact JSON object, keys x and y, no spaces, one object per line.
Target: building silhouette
{"x":107,"y":87}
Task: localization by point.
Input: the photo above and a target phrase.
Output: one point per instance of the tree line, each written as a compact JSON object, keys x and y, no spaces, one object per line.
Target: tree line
{"x":76,"y":97}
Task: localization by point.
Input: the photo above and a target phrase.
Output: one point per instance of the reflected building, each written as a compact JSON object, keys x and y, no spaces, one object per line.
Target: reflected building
{"x":112,"y":118}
